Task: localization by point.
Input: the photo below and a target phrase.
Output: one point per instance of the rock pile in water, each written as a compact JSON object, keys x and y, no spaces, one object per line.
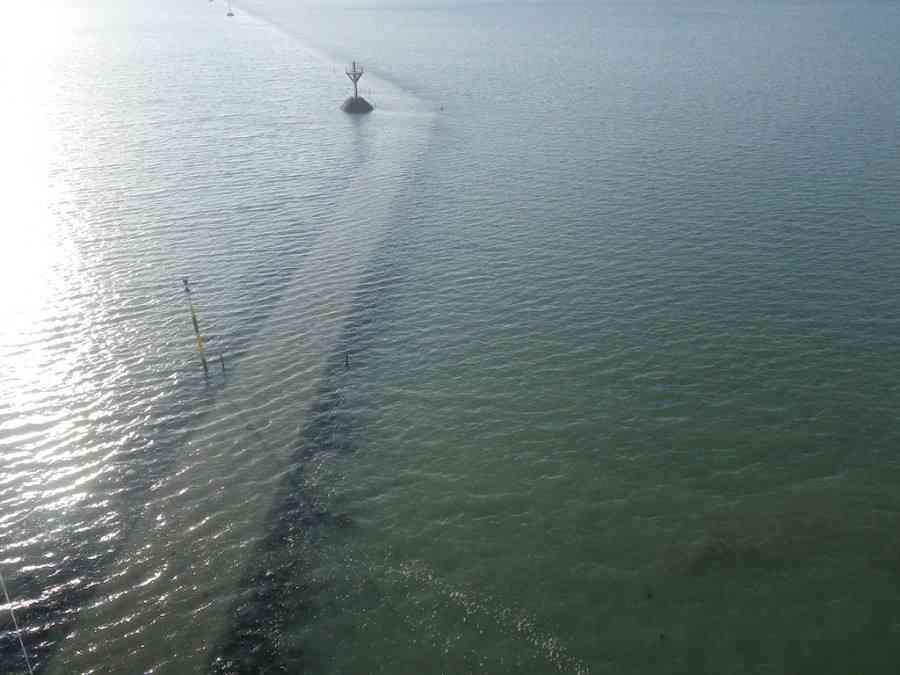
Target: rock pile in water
{"x":357,"y":104}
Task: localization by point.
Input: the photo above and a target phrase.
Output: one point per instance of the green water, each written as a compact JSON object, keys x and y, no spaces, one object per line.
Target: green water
{"x":628,"y":402}
{"x":617,"y":282}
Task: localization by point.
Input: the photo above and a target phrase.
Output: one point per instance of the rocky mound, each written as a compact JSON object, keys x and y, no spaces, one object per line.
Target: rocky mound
{"x":357,"y":104}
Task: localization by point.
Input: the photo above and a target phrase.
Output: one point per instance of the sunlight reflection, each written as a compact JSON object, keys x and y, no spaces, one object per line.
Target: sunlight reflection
{"x":35,"y":256}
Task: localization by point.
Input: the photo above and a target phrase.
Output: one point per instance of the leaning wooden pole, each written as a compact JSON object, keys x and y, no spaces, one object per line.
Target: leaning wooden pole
{"x":200,"y":350}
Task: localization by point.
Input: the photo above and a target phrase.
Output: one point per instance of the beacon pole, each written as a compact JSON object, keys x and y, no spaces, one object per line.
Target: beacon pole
{"x":187,"y":289}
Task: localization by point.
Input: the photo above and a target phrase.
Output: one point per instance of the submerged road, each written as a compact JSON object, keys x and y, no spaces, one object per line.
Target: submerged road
{"x":167,"y":603}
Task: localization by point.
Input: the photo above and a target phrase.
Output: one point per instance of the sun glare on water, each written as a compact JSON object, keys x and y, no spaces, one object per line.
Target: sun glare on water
{"x":35,"y":255}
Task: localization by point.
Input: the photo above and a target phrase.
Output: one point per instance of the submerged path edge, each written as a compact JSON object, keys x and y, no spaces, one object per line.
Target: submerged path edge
{"x":172,"y":606}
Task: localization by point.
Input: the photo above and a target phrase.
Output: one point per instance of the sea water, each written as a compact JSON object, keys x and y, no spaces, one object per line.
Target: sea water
{"x":577,"y":355}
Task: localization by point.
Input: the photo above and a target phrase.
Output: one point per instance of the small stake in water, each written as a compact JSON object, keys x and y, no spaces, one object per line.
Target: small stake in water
{"x":347,"y":360}
{"x":222,"y":362}
{"x":187,"y":289}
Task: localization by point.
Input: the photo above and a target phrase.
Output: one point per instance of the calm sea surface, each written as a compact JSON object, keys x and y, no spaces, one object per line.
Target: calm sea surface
{"x":579,"y":355}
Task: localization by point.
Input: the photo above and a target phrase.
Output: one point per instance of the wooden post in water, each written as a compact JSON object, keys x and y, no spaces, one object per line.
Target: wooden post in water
{"x":200,"y":351}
